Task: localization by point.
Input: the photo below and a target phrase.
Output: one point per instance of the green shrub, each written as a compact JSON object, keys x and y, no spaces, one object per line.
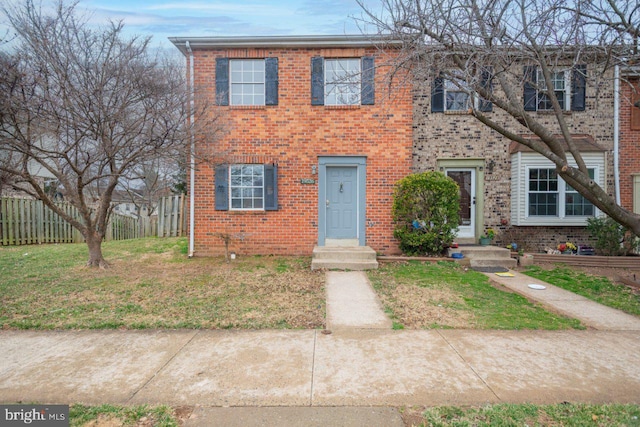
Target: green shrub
{"x":610,"y":237}
{"x":425,"y":211}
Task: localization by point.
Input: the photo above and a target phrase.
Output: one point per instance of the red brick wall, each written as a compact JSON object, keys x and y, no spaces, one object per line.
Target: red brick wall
{"x":629,"y":141}
{"x":293,"y":134}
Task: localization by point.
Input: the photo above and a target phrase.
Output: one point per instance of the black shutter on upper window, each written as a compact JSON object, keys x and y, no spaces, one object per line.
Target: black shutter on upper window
{"x":578,"y":87}
{"x":530,"y":92}
{"x":270,"y":187}
{"x":271,"y":81}
{"x":437,"y":95}
{"x":487,"y":83}
{"x":367,"y":96}
{"x":222,"y":187}
{"x":317,"y":80}
{"x":222,"y":81}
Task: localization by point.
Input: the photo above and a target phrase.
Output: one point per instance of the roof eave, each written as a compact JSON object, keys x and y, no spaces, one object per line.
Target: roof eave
{"x":343,"y":41}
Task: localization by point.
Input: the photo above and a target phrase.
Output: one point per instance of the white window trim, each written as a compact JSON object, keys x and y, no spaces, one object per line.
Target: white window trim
{"x":562,"y":192}
{"x":521,"y":164}
{"x":326,"y":80}
{"x":231,"y":187}
{"x":231,"y":83}
{"x":567,"y":89}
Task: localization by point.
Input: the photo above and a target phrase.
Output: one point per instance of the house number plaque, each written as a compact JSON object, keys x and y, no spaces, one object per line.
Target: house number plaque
{"x":307,"y":181}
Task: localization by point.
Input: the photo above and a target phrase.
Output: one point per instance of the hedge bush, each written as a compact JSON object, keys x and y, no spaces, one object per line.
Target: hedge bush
{"x":425,"y":211}
{"x":611,"y":238}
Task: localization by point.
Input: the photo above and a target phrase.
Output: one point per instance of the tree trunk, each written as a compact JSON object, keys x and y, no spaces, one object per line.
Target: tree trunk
{"x":94,"y":243}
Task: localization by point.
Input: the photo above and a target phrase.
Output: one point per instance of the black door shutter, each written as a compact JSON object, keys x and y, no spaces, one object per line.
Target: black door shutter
{"x":222,"y":188}
{"x":487,"y":84}
{"x":437,"y":95}
{"x":530,"y":92}
{"x":222,"y":81}
{"x":317,"y":80}
{"x":271,"y":187}
{"x":578,"y":87}
{"x":271,"y":81}
{"x":367,"y":97}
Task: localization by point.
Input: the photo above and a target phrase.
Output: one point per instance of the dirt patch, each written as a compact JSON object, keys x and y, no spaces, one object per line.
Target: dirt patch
{"x":418,"y":307}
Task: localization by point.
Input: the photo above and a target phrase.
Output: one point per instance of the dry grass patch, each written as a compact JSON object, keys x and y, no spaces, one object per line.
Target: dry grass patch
{"x":151,"y":284}
{"x":421,"y":295}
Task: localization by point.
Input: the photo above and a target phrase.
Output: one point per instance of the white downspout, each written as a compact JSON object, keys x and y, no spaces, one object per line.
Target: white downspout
{"x":192,"y":156}
{"x":616,"y":131}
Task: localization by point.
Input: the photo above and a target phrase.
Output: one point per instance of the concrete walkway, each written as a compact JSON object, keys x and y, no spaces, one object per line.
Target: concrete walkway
{"x":589,"y":312}
{"x":352,"y":303}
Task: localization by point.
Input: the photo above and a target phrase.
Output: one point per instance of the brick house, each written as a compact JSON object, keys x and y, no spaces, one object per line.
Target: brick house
{"x":316,"y":140}
{"x":629,"y":166}
{"x":505,"y":185}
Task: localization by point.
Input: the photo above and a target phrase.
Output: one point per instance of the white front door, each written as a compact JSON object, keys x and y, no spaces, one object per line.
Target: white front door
{"x":466,"y":179}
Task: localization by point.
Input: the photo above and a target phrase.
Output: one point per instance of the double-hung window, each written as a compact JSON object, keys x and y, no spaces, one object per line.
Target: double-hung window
{"x":457,"y":95}
{"x":247,"y":81}
{"x":543,"y":192}
{"x":246,"y":187}
{"x":560,"y":89}
{"x":450,"y":91}
{"x":246,"y":183}
{"x":569,"y":88}
{"x":342,"y":81}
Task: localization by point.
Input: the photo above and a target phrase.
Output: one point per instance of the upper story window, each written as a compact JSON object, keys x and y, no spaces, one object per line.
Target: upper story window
{"x":343,"y":81}
{"x":455,"y":94}
{"x":560,"y":89}
{"x":251,"y":82}
{"x":569,"y":88}
{"x":247,"y":81}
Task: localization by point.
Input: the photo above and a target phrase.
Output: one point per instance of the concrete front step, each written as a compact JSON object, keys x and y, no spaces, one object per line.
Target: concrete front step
{"x":344,"y":258}
{"x":485,"y":256}
{"x":494,"y":262}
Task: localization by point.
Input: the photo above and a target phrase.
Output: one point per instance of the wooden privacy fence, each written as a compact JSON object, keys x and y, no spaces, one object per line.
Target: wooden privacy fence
{"x":172,"y":221}
{"x":27,"y":221}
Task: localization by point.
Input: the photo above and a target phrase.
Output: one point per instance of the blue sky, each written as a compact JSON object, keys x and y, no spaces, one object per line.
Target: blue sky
{"x":164,"y":18}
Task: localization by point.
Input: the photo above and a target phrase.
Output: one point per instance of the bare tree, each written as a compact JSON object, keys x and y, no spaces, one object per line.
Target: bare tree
{"x":482,"y":45}
{"x":89,"y":106}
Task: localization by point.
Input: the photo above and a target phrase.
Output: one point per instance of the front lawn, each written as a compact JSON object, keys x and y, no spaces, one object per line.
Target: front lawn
{"x":596,"y":288}
{"x":444,"y":295}
{"x":152,"y":284}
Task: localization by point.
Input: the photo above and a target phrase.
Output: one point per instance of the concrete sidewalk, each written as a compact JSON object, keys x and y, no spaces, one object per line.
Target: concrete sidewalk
{"x":310,"y":369}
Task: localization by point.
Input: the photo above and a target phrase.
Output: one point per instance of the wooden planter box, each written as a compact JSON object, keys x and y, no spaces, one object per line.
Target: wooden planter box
{"x":590,"y":260}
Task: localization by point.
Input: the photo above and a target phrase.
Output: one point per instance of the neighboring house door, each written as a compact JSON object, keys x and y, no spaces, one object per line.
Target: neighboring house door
{"x":342,"y":202}
{"x":466,"y":179}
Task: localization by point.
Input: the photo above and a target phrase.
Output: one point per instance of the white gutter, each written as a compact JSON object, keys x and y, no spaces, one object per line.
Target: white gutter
{"x":192,"y":155}
{"x":616,"y":131}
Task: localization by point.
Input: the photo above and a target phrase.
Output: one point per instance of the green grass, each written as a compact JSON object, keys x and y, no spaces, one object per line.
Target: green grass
{"x":444,"y":295}
{"x":566,"y":415}
{"x":596,"y":288}
{"x":152,"y":284}
{"x":158,"y":416}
